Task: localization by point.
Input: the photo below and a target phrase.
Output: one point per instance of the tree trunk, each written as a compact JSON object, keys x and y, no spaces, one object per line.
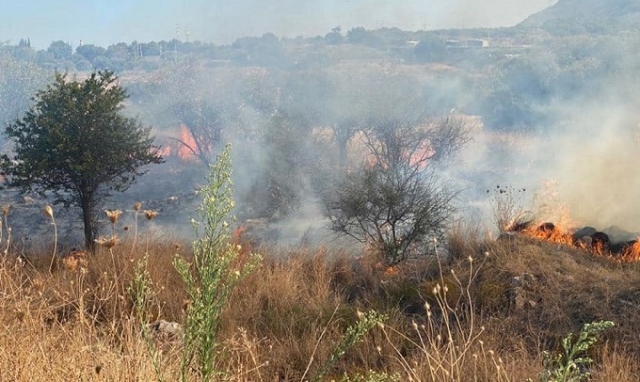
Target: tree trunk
{"x":87,"y":219}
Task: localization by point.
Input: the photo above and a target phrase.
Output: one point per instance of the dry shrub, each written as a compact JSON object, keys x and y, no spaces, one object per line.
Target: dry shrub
{"x":286,"y":304}
{"x":615,"y":364}
{"x":285,"y":319}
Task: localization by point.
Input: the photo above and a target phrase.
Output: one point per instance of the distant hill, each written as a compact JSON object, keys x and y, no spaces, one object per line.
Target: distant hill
{"x":587,"y":16}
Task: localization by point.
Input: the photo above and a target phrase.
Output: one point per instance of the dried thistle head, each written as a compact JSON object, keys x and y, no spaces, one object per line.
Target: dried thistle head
{"x":108,"y":243}
{"x":48,"y":211}
{"x":113,"y":215}
{"x":5,"y":209}
{"x":137,"y":206}
{"x":150,"y":214}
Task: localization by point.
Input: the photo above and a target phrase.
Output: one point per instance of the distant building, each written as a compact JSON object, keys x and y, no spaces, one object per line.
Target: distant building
{"x":469,"y":43}
{"x":478,"y":43}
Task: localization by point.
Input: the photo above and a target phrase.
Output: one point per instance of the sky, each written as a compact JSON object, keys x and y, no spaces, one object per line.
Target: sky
{"x":106,"y":22}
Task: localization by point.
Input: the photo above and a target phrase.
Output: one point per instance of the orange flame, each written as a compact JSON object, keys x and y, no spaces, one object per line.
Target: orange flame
{"x":632,"y":252}
{"x":187,"y":153}
{"x":549,"y":232}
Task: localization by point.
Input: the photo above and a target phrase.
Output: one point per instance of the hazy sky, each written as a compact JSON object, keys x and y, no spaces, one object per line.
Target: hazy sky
{"x":104,"y":22}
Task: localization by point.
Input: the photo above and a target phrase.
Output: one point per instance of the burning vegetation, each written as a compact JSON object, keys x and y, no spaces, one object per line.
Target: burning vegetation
{"x":596,"y":242}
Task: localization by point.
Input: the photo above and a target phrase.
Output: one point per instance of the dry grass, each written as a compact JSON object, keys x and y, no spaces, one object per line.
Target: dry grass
{"x":285,"y":319}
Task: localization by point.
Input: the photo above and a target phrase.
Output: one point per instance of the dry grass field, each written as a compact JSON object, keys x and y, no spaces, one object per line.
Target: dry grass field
{"x":486,"y":313}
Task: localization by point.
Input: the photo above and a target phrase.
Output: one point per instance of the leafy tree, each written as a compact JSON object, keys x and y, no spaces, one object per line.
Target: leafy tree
{"x":520,"y":91}
{"x":431,"y":49}
{"x":279,"y":182}
{"x":334,"y":37}
{"x":60,"y":50}
{"x":75,"y":142}
{"x":90,"y":52}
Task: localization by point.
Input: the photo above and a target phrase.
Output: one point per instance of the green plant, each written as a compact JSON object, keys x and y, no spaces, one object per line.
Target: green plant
{"x":215,"y":271}
{"x":76,"y":142}
{"x":570,"y":364}
{"x":141,"y":292}
{"x":353,"y":335}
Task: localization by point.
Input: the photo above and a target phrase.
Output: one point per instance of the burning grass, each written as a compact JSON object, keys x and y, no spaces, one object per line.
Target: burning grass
{"x":588,"y":239}
{"x":285,"y":319}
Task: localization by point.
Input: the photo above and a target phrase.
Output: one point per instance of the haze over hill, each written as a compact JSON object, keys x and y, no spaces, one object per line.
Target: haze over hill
{"x":579,"y":16}
{"x":109,"y":22}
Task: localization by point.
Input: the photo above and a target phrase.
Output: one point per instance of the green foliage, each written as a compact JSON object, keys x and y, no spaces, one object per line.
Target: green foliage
{"x":570,"y":365}
{"x":277,"y":193}
{"x":431,"y":49}
{"x":75,"y":142}
{"x":60,"y":50}
{"x":141,"y":292}
{"x":140,"y":289}
{"x":353,"y":335}
{"x":215,"y":271}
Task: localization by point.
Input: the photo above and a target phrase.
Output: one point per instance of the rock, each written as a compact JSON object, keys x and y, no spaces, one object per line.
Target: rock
{"x":582,"y":232}
{"x":521,"y":286}
{"x":165,"y":328}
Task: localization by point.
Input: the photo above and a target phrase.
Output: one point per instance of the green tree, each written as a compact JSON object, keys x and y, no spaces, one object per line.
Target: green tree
{"x":431,"y":49}
{"x":60,"y":50}
{"x":75,"y":142}
{"x":90,"y":52}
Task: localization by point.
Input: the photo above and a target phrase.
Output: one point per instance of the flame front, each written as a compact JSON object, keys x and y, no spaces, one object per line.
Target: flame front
{"x":549,"y":232}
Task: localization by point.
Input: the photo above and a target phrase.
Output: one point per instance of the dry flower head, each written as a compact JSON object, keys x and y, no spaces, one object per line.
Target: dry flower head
{"x":75,"y":260}
{"x":107,"y":242}
{"x":113,"y":215}
{"x":137,"y":206}
{"x":48,"y":211}
{"x":150,"y":214}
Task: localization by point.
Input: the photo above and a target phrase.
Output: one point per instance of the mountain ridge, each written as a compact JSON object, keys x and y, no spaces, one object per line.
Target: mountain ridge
{"x":586,"y":16}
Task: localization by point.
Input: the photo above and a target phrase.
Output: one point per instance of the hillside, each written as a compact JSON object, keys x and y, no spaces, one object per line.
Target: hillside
{"x":586,"y":16}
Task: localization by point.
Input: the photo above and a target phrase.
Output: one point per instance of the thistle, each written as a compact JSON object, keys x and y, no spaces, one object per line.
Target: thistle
{"x":149,"y":214}
{"x":113,"y":215}
{"x":108,"y":243}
